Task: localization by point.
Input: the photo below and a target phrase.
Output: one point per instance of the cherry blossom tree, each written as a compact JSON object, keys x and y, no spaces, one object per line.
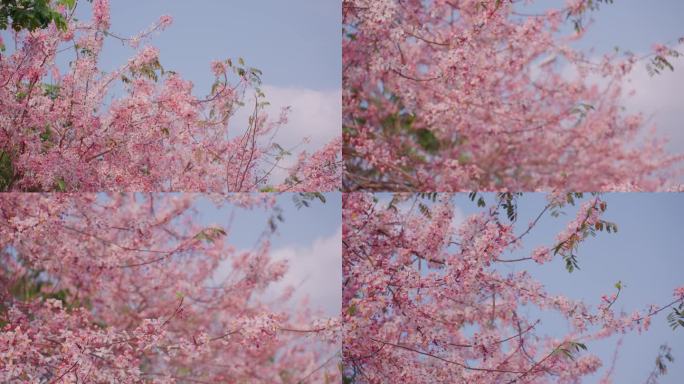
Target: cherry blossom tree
{"x":426,"y":300}
{"x":461,"y":95}
{"x":131,"y":288}
{"x":139,"y":127}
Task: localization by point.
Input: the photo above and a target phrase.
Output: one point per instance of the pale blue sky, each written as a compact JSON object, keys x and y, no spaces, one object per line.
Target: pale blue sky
{"x":296,"y":43}
{"x":301,"y":227}
{"x":645,"y":254}
{"x":630,"y":24}
{"x":635,"y":24}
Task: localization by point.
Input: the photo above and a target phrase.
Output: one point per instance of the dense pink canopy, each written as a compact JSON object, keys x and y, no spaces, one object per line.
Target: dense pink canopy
{"x":138,"y":127}
{"x":474,"y":95}
{"x":131,"y":288}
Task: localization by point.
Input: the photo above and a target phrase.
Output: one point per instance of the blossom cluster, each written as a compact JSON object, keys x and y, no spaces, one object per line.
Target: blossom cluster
{"x":444,"y":309}
{"x":480,"y":95}
{"x":134,"y":288}
{"x":138,"y":127}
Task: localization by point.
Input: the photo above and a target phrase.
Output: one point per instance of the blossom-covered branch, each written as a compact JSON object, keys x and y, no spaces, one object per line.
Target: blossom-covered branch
{"x":479,"y":95}
{"x":133,"y":288}
{"x":139,"y":127}
{"x":427,"y":300}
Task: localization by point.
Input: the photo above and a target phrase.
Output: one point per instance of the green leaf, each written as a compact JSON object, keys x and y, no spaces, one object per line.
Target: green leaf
{"x":282,"y":152}
{"x":69,"y":3}
{"x":303,"y":199}
{"x":427,"y":140}
{"x":46,"y":135}
{"x":425,"y":210}
{"x":210,"y":234}
{"x":6,"y":171}
{"x":60,"y":185}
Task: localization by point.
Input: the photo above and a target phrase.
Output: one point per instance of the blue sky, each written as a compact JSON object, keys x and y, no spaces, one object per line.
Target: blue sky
{"x":636,"y":24}
{"x":629,"y":24}
{"x":301,"y":226}
{"x":296,"y":43}
{"x":645,"y":254}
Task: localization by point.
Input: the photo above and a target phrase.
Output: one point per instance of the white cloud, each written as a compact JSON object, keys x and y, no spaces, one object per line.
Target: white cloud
{"x":315,"y":115}
{"x":315,"y":271}
{"x":659,"y":98}
{"x":459,"y":217}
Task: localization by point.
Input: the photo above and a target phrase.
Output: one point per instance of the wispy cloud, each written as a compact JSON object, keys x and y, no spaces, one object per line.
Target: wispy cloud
{"x":314,"y":115}
{"x":315,"y":271}
{"x":659,"y":98}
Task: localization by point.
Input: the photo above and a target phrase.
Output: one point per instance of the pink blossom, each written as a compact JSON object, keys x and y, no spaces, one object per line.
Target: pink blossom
{"x":101,"y":13}
{"x":146,"y":56}
{"x":144,"y":291}
{"x":541,"y":255}
{"x":679,"y":292}
{"x":139,"y":127}
{"x":660,"y":49}
{"x":426,"y":301}
{"x":432,"y":102}
{"x":322,"y":171}
{"x":165,"y":21}
{"x":218,"y":68}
